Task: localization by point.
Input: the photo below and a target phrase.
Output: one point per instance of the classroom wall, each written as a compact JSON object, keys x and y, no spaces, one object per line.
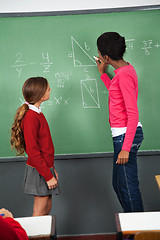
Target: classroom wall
{"x":87,"y":203}
{"x":61,"y":5}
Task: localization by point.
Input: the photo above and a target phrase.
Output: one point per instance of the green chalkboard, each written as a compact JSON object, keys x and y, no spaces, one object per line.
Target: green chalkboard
{"x":61,"y":48}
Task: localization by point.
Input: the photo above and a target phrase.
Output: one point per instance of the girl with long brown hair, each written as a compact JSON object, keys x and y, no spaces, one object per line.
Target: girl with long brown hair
{"x":30,"y":133}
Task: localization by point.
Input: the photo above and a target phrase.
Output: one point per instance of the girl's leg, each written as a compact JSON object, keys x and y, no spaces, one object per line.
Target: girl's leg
{"x":41,"y":205}
{"x":49,"y":206}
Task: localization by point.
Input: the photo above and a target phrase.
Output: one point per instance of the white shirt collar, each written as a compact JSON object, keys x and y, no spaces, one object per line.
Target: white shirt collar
{"x":34,"y":108}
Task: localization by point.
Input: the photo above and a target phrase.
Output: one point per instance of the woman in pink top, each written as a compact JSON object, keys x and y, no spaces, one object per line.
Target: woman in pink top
{"x":123,"y":118}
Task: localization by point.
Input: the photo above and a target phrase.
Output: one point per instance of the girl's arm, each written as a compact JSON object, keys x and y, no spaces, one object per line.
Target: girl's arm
{"x":127,"y":86}
{"x":31,"y":140}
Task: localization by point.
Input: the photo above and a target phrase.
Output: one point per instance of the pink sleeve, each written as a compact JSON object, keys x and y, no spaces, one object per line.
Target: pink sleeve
{"x":106,"y":80}
{"x":128,"y":89}
{"x":32,"y":148}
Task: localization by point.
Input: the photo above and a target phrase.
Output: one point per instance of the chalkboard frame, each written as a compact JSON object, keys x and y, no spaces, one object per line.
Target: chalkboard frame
{"x":79,"y":12}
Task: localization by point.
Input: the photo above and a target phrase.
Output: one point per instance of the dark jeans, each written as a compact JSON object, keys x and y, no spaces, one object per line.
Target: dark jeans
{"x":125,"y":176}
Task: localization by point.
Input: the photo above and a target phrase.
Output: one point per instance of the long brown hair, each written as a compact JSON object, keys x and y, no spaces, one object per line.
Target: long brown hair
{"x":33,"y":90}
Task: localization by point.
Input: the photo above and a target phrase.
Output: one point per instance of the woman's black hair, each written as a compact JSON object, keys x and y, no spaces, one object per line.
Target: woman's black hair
{"x":112,"y":45}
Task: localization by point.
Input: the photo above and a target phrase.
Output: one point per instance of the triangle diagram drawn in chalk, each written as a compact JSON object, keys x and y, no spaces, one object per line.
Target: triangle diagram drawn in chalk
{"x":90,"y":97}
{"x":80,"y":57}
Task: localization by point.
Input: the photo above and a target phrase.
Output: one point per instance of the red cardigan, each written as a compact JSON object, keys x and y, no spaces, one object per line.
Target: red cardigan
{"x":11,"y":230}
{"x":39,"y":145}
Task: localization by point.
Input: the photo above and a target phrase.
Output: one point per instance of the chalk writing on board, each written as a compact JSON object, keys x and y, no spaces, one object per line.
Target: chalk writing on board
{"x":87,"y":77}
{"x":47,"y":62}
{"x":87,"y":47}
{"x":62,"y":101}
{"x":129,"y":44}
{"x":80,"y":56}
{"x":148,"y":45}
{"x":22,"y":100}
{"x":61,"y":77}
{"x":157,"y":45}
{"x":85,"y":69}
{"x":89,"y":90}
{"x":56,"y":101}
{"x":105,"y":92}
{"x":50,"y":103}
{"x":19,"y":63}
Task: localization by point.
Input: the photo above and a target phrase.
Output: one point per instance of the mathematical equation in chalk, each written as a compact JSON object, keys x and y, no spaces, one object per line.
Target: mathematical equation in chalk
{"x":61,"y":78}
{"x":57,"y":101}
{"x":146,"y":45}
{"x":83,"y":58}
{"x":20,"y":64}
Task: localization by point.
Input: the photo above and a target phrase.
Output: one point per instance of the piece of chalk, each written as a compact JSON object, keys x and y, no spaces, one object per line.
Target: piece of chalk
{"x":95,"y":58}
{"x":2,"y":214}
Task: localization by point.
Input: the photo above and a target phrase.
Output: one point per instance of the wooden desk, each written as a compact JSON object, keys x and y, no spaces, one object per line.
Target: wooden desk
{"x":157,"y":177}
{"x":131,"y":223}
{"x":42,"y":227}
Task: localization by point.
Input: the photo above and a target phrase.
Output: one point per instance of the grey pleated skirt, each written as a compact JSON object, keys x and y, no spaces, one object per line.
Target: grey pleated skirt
{"x":36,"y":185}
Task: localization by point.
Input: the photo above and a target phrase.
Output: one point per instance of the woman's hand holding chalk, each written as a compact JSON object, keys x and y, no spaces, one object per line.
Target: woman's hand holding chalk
{"x":96,"y":58}
{"x":101,"y":65}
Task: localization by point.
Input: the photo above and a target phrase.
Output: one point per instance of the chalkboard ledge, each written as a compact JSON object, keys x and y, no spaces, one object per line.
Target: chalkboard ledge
{"x":80,"y":156}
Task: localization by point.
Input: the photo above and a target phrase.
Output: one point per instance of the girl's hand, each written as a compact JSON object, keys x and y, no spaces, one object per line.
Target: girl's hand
{"x":122,"y":157}
{"x":101,"y":65}
{"x":6,"y":213}
{"x":52,"y":183}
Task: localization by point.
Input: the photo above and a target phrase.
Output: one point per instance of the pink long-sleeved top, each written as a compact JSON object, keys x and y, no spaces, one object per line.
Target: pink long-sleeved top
{"x":123,"y":95}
